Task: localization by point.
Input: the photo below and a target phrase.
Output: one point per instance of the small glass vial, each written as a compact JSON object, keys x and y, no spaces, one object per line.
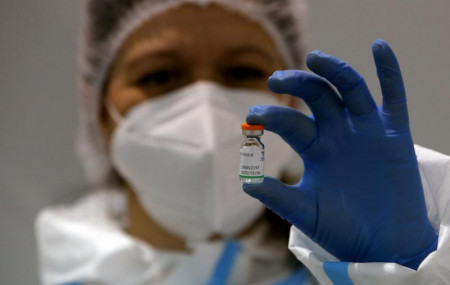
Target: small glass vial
{"x":251,"y":170}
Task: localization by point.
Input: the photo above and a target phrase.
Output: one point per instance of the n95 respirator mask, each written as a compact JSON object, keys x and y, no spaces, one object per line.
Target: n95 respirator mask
{"x":180,"y":154}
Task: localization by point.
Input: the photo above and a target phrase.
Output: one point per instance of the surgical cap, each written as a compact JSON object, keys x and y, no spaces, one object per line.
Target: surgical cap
{"x":108,"y":23}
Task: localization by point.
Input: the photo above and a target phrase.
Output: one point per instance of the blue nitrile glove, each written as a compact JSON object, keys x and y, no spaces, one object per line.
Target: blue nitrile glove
{"x":361,"y":196}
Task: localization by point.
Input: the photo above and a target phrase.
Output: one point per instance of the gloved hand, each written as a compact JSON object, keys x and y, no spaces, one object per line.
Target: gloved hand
{"x":361,"y":196}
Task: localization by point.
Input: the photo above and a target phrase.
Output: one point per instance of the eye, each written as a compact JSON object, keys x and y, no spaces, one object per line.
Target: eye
{"x":243,"y":73}
{"x":159,"y":78}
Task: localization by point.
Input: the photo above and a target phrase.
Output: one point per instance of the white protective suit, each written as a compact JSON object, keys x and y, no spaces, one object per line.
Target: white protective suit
{"x":86,"y":243}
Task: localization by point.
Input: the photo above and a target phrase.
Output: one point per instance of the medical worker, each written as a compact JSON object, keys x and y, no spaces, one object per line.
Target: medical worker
{"x":164,"y":86}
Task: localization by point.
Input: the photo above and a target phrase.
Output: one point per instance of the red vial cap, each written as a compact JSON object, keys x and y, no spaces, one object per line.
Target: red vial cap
{"x":248,"y":127}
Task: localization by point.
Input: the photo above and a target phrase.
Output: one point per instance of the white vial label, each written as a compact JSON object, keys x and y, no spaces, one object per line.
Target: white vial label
{"x":252,"y":165}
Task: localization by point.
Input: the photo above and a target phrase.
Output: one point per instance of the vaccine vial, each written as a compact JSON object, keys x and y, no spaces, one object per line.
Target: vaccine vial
{"x":252,"y":154}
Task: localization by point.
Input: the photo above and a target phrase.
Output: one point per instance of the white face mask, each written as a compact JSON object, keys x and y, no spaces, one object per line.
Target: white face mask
{"x":180,"y":153}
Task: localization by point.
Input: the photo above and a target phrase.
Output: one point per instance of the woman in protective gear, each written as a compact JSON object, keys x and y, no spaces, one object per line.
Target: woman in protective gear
{"x":164,"y":86}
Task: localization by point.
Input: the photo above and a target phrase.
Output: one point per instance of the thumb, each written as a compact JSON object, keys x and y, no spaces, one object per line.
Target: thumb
{"x":288,"y":202}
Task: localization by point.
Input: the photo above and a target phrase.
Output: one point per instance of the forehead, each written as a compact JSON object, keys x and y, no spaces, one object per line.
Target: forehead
{"x":199,"y":31}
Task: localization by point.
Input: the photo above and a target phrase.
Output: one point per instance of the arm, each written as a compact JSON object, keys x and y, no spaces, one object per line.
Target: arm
{"x":434,"y":269}
{"x":361,"y":197}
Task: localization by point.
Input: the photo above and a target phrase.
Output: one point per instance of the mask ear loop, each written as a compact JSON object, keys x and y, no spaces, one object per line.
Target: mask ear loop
{"x":113,"y":112}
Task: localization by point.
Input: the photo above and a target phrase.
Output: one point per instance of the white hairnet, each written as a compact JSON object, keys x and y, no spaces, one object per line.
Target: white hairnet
{"x":108,"y":23}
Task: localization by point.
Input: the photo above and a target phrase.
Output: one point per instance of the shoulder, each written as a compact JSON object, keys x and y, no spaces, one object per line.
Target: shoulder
{"x":102,"y":210}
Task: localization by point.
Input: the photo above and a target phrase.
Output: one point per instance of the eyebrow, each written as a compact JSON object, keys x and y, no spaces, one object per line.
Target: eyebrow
{"x":174,"y":54}
{"x":159,"y":54}
{"x":249,"y":49}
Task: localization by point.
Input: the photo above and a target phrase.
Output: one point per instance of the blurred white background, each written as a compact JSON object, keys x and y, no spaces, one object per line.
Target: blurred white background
{"x":38,"y":166}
